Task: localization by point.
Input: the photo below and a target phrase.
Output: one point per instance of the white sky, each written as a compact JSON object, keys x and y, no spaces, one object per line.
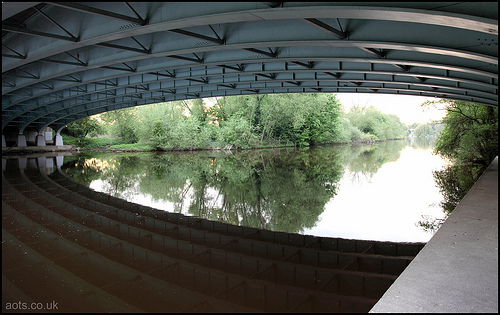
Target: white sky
{"x":406,"y":107}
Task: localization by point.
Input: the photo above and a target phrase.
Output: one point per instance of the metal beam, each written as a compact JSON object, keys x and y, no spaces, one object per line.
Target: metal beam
{"x":55,"y":23}
{"x":18,"y":55}
{"x":64,"y":62}
{"x":325,"y":27}
{"x":92,"y":10}
{"x":197,"y":60}
{"x":19,"y":30}
{"x":129,"y":68}
{"x":380,"y":54}
{"x":261,"y":52}
{"x":142,"y":51}
{"x":199,"y":36}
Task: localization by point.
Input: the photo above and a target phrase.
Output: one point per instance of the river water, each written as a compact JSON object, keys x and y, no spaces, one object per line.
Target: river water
{"x":382,"y":191}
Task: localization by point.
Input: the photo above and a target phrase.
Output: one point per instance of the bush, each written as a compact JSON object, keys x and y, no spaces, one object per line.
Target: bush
{"x":237,"y":132}
{"x":133,"y":147}
{"x":91,"y":143}
{"x":349,"y":132}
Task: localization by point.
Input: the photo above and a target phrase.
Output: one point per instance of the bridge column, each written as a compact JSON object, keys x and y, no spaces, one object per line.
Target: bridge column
{"x":4,"y":144}
{"x":40,"y":139}
{"x":21,"y":140}
{"x":58,"y":139}
{"x":30,"y":134}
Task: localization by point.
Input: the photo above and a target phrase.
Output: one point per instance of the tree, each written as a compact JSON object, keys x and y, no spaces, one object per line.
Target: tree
{"x":470,"y":133}
{"x":122,"y":123}
{"x":423,"y":130}
{"x":373,"y":122}
{"x":324,"y":123}
{"x":83,"y":127}
{"x":428,"y":129}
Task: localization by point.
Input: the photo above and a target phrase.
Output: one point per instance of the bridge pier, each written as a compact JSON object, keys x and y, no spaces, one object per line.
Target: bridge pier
{"x":21,"y":141}
{"x":457,"y":270}
{"x":40,"y":140}
{"x":58,"y":139}
{"x":30,"y":141}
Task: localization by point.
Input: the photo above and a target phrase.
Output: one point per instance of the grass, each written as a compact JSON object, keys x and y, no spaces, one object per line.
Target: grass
{"x":112,"y":144}
{"x":132,"y":147}
{"x":91,"y":143}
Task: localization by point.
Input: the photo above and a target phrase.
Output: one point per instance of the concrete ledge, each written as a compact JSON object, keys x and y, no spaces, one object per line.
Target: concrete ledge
{"x":35,"y":149}
{"x":457,"y":270}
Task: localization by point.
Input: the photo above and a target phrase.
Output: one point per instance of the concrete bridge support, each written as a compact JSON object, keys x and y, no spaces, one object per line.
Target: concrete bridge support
{"x":33,"y":141}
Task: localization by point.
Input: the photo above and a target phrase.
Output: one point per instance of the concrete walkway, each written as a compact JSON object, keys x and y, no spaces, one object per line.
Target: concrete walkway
{"x":457,"y":270}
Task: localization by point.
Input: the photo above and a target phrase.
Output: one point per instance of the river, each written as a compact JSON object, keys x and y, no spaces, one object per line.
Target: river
{"x":381,"y":191}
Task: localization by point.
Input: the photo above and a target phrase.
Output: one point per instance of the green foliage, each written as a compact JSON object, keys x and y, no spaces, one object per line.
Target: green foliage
{"x":91,"y":143}
{"x":302,"y":119}
{"x":469,"y":139}
{"x":122,"y":123}
{"x":470,"y":133}
{"x":250,"y":121}
{"x":423,"y":130}
{"x":237,"y":132}
{"x":81,"y":128}
{"x":428,"y":129}
{"x":373,"y":122}
{"x":132,"y":147}
{"x":261,"y":118}
{"x":180,"y":133}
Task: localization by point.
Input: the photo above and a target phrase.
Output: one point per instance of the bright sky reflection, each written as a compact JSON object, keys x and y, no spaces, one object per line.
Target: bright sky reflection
{"x":387,"y":206}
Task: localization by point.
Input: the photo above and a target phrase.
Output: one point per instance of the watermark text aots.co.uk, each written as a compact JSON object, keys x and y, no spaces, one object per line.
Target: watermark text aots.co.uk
{"x":33,"y":306}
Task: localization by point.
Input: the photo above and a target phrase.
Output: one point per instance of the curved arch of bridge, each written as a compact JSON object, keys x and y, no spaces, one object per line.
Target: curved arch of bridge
{"x":62,"y":61}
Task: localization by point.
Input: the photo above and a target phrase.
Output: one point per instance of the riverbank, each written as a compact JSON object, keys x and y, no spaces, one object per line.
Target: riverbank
{"x":147,"y":148}
{"x":144,"y":147}
{"x":35,"y":150}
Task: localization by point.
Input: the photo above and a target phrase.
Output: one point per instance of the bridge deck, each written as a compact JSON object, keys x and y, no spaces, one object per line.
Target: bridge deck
{"x":457,"y":270}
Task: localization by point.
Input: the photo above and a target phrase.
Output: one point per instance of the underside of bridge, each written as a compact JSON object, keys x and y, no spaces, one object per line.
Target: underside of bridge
{"x":63,"y":61}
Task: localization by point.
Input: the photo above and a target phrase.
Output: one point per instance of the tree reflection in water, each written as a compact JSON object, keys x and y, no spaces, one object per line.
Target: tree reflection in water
{"x":280,"y":190}
{"x":269,"y":189}
{"x":454,"y":181}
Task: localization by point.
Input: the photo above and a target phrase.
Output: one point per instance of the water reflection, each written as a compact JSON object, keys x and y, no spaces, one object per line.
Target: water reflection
{"x":315,"y":191}
{"x":454,"y":181}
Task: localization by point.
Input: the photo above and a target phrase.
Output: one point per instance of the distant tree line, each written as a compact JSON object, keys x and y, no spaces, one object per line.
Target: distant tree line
{"x":240,"y":122}
{"x":430,"y":129}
